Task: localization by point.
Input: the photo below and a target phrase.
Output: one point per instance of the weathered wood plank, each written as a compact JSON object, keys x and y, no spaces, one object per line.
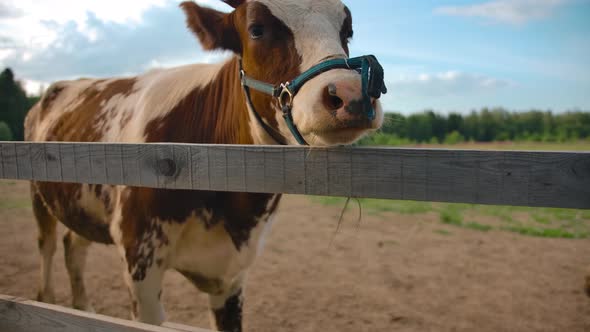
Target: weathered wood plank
{"x":21,"y":315}
{"x":9,"y":161}
{"x":98,"y":163}
{"x":255,"y":170}
{"x":131,"y":164}
{"x":23,"y":157}
{"x":339,"y":174}
{"x":53,"y":162}
{"x":148,"y":165}
{"x":38,"y":161}
{"x":218,"y":169}
{"x":166,"y":166}
{"x":414,"y":175}
{"x":200,"y":167}
{"x":67,"y":157}
{"x":316,"y":172}
{"x":114,"y":163}
{"x":294,"y":163}
{"x":182,"y":176}
{"x":544,"y":179}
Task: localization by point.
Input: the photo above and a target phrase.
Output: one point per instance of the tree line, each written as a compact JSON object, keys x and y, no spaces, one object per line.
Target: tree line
{"x":14,"y":105}
{"x":485,"y":125}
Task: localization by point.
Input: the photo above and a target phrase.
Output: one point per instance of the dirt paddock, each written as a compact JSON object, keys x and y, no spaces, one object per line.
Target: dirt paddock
{"x":391,"y":273}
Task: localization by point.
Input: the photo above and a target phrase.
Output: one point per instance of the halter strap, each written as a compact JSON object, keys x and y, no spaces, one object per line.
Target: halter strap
{"x":372,"y":79}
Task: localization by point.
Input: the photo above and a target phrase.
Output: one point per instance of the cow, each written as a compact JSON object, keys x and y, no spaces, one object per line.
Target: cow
{"x":211,"y":238}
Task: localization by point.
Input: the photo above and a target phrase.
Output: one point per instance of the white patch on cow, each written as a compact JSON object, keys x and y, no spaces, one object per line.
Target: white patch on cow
{"x":211,"y":253}
{"x":267,"y":228}
{"x":159,"y":91}
{"x":153,"y":96}
{"x":261,"y":136}
{"x":315,"y":24}
{"x":66,"y":101}
{"x":121,"y":194}
{"x":145,"y":295}
{"x":93,"y":205}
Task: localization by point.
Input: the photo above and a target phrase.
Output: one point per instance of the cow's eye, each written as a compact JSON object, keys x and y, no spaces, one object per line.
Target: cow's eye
{"x":256,"y":31}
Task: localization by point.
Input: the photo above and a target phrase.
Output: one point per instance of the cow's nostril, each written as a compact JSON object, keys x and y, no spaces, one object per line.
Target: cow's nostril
{"x":335,"y":102}
{"x":332,"y":89}
{"x":331,"y":99}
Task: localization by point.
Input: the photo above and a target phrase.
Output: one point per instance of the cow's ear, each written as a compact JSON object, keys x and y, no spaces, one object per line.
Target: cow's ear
{"x":214,"y":29}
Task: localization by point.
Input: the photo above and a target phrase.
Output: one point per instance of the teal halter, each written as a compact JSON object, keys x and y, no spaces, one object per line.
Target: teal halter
{"x":368,"y":66}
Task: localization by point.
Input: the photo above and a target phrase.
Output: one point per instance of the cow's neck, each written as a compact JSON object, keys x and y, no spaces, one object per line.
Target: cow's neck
{"x":215,"y":113}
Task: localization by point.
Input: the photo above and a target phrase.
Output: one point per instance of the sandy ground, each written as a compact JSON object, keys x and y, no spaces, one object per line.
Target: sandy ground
{"x":391,"y":273}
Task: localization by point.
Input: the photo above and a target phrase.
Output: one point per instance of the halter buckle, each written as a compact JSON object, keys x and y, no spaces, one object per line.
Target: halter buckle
{"x":242,"y":76}
{"x":286,"y":96}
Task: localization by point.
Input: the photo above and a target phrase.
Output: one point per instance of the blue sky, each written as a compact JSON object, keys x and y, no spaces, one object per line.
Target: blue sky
{"x":447,"y":55}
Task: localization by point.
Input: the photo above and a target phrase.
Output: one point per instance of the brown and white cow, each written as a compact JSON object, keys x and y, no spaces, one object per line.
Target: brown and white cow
{"x":210,"y":237}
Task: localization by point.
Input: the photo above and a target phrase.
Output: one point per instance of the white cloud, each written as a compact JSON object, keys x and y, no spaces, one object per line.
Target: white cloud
{"x":8,"y":10}
{"x":505,"y":11}
{"x":87,"y":40}
{"x":31,"y":27}
{"x":34,"y":88}
{"x":450,"y":83}
{"x":38,"y":20}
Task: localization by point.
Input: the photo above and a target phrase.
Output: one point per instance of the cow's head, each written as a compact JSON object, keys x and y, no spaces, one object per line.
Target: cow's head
{"x":278,"y":40}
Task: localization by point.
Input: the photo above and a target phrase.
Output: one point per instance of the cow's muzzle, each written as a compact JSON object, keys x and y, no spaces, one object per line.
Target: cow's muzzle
{"x":372,"y":86}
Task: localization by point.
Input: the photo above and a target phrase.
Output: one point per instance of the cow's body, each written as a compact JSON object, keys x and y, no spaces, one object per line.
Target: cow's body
{"x":210,"y":237}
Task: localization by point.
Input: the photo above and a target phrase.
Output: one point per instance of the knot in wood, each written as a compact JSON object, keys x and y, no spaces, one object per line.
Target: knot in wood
{"x":166,"y":167}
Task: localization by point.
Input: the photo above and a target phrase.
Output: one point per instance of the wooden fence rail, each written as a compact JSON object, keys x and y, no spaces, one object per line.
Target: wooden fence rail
{"x":542,"y":179}
{"x":21,"y":315}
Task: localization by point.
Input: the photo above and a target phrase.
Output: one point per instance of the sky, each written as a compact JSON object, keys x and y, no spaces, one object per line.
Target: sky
{"x":446,"y":55}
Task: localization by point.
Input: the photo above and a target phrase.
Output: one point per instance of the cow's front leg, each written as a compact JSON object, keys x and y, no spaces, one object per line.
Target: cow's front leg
{"x":226,"y":310}
{"x":145,"y":251}
{"x":146,"y":305}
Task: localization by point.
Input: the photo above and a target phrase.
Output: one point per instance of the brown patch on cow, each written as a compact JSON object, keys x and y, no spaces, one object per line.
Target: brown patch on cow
{"x":214,"y":29}
{"x":45,"y":221}
{"x":214,"y":114}
{"x":346,"y":32}
{"x":588,"y":283}
{"x":59,"y":198}
{"x":140,"y":249}
{"x":79,"y":124}
{"x":274,"y":205}
{"x":239,"y":212}
{"x":103,"y":194}
{"x":49,"y":97}
{"x":273,"y":58}
{"x":97,"y":190}
{"x":67,"y":241}
{"x":208,"y":285}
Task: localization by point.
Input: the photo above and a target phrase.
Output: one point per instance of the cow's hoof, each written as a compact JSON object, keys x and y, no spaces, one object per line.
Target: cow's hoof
{"x":45,"y":297}
{"x":84,"y":307}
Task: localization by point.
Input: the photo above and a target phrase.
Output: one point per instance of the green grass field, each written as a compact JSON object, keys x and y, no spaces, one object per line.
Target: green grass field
{"x":539,"y":222}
